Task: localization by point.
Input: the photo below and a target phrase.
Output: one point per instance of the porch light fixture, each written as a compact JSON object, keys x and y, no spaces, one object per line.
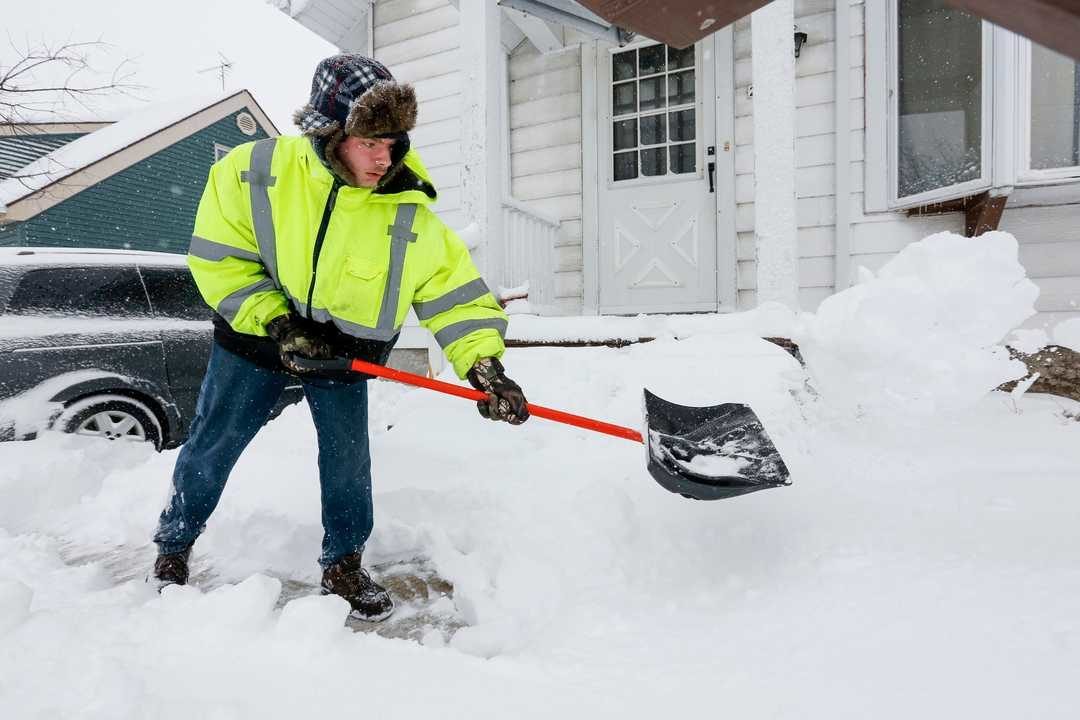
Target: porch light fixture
{"x":800,"y":40}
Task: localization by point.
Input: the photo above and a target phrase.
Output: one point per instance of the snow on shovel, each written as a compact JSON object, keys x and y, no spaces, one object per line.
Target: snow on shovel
{"x":702,"y":453}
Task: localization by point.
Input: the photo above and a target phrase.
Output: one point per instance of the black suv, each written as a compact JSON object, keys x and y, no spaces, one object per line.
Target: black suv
{"x":110,"y":343}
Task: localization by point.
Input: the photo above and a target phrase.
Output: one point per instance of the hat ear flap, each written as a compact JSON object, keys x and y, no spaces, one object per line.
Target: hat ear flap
{"x":387,"y":108}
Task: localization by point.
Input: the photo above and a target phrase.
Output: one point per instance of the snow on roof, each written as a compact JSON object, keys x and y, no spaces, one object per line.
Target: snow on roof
{"x":98,"y":145}
{"x":88,"y":256}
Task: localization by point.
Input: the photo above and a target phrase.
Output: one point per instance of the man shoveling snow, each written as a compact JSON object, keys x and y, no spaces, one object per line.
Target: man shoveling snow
{"x":291,"y":250}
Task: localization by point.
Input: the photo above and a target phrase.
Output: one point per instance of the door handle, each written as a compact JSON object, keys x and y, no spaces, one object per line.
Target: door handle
{"x":712,"y":177}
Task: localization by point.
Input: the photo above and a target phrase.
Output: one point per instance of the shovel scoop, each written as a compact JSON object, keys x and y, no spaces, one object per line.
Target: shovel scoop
{"x":702,"y":453}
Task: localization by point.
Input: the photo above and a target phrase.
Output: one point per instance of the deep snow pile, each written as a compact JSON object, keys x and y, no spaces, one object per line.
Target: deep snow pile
{"x":922,"y":336}
{"x":930,"y":572}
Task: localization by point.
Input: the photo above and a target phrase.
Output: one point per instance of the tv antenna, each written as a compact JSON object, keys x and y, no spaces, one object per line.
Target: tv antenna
{"x":222,"y":68}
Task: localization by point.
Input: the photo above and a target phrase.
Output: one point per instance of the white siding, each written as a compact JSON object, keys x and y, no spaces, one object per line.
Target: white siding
{"x":1049,"y":236}
{"x":546,"y":154}
{"x":419,"y":40}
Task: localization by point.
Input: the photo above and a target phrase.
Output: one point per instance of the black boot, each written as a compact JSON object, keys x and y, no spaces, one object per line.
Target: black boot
{"x":172,"y":568}
{"x":369,"y":600}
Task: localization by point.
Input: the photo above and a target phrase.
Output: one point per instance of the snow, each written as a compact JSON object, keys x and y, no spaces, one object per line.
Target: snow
{"x":922,"y":337}
{"x":931,"y":572}
{"x":1067,"y":334}
{"x":169,"y":52}
{"x":32,"y":411}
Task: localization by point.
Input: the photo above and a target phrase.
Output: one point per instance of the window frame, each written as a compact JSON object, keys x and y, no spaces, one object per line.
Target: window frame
{"x":699,"y":114}
{"x":220,"y":151}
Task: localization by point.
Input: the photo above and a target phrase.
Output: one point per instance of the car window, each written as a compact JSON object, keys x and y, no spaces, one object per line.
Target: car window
{"x":106,"y":290}
{"x":173,"y":293}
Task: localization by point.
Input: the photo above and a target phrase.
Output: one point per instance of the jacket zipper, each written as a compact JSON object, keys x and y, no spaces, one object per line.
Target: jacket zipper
{"x":319,"y":238}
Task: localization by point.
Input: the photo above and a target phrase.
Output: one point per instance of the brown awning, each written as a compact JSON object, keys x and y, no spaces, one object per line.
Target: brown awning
{"x":681,"y":23}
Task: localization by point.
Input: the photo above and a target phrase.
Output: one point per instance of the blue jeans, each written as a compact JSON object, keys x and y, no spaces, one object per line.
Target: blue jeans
{"x":236,"y":399}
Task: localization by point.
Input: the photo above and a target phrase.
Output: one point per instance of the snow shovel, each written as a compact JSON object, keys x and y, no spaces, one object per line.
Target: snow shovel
{"x":702,"y":453}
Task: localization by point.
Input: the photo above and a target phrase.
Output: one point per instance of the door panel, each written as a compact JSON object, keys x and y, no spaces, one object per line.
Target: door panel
{"x":657,"y":206}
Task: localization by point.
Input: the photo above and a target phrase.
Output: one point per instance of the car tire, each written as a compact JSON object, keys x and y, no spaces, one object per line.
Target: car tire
{"x":113,"y":417}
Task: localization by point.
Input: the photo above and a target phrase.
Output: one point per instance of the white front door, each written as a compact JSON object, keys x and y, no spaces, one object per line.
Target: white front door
{"x":657,"y":199}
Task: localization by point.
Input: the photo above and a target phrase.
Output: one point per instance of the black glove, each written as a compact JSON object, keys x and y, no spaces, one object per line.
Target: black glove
{"x":296,"y":339}
{"x":505,"y":400}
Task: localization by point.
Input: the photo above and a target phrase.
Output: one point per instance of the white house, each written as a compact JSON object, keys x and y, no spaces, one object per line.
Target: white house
{"x":635,"y":177}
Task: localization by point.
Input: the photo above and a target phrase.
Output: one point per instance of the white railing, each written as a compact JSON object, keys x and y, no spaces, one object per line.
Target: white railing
{"x":530,"y":252}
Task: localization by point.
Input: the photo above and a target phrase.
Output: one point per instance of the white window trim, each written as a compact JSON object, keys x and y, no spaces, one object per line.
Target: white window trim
{"x":220,"y":151}
{"x":1006,"y":111}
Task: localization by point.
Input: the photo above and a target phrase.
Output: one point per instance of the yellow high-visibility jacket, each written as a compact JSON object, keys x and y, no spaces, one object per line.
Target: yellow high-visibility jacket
{"x":276,"y":231}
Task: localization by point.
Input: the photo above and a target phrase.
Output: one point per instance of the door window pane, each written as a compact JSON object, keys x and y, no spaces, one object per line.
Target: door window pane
{"x":652,"y":93}
{"x":939,"y":96}
{"x":653,"y":161}
{"x":682,"y":125}
{"x":653,"y":131}
{"x":624,"y":134}
{"x":651,"y":60}
{"x":93,"y":291}
{"x":173,"y":293}
{"x":1055,"y":110}
{"x":626,"y":165}
{"x":684,"y":158}
{"x":678,"y":59}
{"x":624,"y":65}
{"x":624,"y":99}
{"x":681,"y":88}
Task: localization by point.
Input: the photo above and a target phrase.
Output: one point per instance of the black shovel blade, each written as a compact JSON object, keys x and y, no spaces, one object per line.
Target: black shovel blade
{"x":710,"y":453}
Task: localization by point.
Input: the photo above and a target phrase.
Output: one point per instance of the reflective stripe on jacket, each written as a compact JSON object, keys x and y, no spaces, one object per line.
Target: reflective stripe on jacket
{"x":256,"y":251}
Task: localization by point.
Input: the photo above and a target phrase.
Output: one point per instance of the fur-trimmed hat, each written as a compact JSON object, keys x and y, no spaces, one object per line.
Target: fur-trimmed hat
{"x":355,"y":95}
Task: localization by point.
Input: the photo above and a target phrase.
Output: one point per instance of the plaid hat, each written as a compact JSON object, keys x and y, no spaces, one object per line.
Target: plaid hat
{"x":355,"y":95}
{"x":358,"y":96}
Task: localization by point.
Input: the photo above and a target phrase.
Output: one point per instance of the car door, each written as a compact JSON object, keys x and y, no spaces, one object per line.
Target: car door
{"x":187,"y":333}
{"x":76,"y":322}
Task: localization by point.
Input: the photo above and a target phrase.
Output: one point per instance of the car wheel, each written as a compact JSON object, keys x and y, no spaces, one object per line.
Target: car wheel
{"x":112,"y":417}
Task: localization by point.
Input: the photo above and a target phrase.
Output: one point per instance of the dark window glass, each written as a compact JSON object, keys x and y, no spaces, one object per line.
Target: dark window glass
{"x":652,"y":93}
{"x":653,"y":131}
{"x":173,"y":294}
{"x":624,"y":65}
{"x":626,"y":166}
{"x":653,"y":161}
{"x":680,"y":58}
{"x":680,"y":88}
{"x":624,"y":99}
{"x":684,"y":158}
{"x":651,"y":60}
{"x":104,"y":290}
{"x":625,"y":134}
{"x":682,"y":125}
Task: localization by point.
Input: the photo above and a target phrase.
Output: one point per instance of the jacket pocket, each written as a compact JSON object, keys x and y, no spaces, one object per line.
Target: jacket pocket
{"x":363,"y":268}
{"x":360,"y":291}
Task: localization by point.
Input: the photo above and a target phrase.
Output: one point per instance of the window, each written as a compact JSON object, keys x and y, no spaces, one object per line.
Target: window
{"x":1050,"y":94}
{"x":939,"y":129}
{"x":955,"y":106}
{"x":173,"y":293}
{"x":220,"y":151}
{"x":654,"y":112}
{"x":106,"y":291}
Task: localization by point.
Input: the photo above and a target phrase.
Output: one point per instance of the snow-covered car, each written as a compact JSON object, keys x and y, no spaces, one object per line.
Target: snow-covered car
{"x":110,"y":343}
